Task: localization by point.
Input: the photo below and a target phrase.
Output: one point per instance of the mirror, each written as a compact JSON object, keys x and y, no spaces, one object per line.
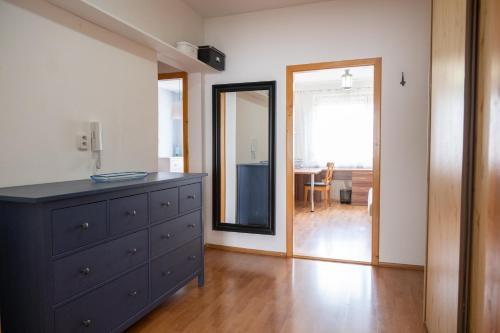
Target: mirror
{"x":243,"y":156}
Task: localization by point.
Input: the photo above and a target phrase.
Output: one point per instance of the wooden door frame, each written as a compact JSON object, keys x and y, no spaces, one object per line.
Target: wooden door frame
{"x":290,"y":179}
{"x":185,"y":137}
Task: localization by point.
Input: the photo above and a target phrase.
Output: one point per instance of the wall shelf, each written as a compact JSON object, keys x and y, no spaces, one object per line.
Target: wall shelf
{"x":166,"y":53}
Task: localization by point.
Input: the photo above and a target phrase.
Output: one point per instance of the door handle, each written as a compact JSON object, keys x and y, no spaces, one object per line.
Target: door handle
{"x":85,"y":270}
{"x":133,"y":213}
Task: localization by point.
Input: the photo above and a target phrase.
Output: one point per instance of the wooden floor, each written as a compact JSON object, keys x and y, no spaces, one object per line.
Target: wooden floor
{"x":249,"y":293}
{"x":337,"y":232}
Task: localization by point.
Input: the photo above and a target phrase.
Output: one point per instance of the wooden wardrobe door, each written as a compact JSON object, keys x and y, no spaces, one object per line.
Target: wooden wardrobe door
{"x":484,"y":307}
{"x":444,"y":267}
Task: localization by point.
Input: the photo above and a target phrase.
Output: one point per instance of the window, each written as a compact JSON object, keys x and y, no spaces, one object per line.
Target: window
{"x":333,"y":124}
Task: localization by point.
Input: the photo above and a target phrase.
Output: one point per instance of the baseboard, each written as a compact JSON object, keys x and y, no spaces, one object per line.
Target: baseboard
{"x":401,"y":266}
{"x":341,"y":261}
{"x":297,"y":256}
{"x":245,"y":250}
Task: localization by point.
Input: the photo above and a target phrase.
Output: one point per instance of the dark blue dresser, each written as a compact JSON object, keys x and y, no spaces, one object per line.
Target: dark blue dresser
{"x":253,"y":194}
{"x":83,"y":257}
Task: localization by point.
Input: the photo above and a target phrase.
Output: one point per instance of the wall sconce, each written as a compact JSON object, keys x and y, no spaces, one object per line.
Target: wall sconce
{"x":347,"y":80}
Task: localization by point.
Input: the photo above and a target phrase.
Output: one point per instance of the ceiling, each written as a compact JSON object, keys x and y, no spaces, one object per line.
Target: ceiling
{"x":259,"y":97}
{"x":214,"y":8}
{"x":164,"y":68}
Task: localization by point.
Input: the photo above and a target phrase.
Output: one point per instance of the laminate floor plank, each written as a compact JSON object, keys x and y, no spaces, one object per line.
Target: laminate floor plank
{"x":341,"y":232}
{"x":250,"y":293}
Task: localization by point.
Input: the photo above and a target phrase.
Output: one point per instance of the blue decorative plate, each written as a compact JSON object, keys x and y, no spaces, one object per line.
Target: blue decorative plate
{"x":117,"y":176}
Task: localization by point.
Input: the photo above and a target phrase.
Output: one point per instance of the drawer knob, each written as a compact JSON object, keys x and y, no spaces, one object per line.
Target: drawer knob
{"x":87,"y":322}
{"x":132,"y":251}
{"x":85,"y":270}
{"x":167,"y":273}
{"x":132,"y":213}
{"x":133,"y":293}
{"x":191,"y":225}
{"x":84,"y":226}
{"x":166,"y":204}
{"x":192,"y":257}
{"x":192,"y":196}
{"x":167,"y":236}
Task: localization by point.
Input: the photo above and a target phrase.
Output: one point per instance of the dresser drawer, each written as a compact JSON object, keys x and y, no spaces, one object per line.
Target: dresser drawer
{"x":169,"y":270}
{"x":362,"y":189}
{"x":359,"y":199}
{"x":107,"y":307}
{"x":164,"y":204}
{"x":189,"y":197}
{"x":362,"y":177}
{"x":169,"y":235}
{"x":77,"y":226}
{"x":83,"y":270}
{"x":128,"y":213}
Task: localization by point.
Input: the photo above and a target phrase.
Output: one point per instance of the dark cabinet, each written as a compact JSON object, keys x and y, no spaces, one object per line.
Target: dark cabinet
{"x":80,"y":257}
{"x":253,"y":194}
{"x":169,"y":270}
{"x":189,"y":197}
{"x":128,"y":213}
{"x":164,"y":204}
{"x":86,"y":269}
{"x":76,"y":226}
{"x":106,"y":307}
{"x":171,"y":234}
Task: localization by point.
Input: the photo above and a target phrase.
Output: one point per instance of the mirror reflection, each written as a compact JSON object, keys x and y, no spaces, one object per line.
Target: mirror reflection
{"x":244,"y":157}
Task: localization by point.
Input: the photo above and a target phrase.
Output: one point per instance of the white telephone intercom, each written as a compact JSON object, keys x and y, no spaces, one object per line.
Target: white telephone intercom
{"x":96,"y":140}
{"x":253,"y":149}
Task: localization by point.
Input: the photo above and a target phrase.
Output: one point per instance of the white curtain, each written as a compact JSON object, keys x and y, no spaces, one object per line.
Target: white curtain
{"x":334,"y":126}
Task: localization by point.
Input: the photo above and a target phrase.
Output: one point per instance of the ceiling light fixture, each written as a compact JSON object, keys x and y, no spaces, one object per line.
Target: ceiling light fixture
{"x":347,"y":80}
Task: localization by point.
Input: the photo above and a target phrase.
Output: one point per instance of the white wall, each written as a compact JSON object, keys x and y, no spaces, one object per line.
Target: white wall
{"x":195,"y":122}
{"x":259,"y":46}
{"x":57,"y":73}
{"x":170,"y":20}
{"x":251,"y":128}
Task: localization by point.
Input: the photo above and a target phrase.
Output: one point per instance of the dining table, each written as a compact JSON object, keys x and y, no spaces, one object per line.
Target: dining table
{"x":312,"y":172}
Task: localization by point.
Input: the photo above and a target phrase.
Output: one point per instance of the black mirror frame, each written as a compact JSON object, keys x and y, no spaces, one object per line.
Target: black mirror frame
{"x":270,"y":229}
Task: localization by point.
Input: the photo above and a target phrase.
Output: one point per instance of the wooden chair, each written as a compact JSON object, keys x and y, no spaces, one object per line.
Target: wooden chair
{"x":322,"y":186}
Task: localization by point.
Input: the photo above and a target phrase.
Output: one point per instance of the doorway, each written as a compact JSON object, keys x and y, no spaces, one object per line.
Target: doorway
{"x":173,"y":154}
{"x":333,"y":156}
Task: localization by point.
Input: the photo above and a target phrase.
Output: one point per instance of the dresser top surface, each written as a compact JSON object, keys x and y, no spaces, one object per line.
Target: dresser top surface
{"x":76,"y":188}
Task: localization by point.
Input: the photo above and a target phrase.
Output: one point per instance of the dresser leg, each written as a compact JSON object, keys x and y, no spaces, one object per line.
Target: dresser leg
{"x":201,"y":279}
